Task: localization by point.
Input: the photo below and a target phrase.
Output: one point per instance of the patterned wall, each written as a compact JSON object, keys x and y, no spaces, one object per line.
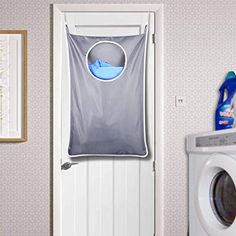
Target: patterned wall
{"x":199,"y":49}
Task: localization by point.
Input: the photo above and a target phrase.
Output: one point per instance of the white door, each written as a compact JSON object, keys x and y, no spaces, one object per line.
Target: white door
{"x":107,"y":196}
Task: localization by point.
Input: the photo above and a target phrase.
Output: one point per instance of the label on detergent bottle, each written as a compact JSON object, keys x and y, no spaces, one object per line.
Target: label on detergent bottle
{"x":226,"y":116}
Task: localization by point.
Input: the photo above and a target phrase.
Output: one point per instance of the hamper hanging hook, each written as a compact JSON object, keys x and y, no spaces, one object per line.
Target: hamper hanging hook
{"x":148,"y":23}
{"x":65,"y":19}
{"x":66,"y":26}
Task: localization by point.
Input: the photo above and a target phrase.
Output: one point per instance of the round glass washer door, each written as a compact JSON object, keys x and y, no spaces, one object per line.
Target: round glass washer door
{"x":223,"y":198}
{"x":215,"y":198}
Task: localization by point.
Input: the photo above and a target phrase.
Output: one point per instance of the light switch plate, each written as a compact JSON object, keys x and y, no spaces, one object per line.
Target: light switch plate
{"x":179,"y":101}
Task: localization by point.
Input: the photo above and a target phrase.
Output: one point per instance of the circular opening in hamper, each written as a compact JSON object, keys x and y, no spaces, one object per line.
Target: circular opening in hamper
{"x":106,"y":60}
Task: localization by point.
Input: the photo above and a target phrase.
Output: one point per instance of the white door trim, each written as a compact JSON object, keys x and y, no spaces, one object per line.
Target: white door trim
{"x":58,"y":9}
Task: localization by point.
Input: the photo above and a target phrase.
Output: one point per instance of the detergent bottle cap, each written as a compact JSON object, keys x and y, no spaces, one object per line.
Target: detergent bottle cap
{"x":231,"y":75}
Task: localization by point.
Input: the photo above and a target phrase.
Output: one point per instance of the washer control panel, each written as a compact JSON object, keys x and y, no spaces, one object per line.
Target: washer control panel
{"x":216,"y":140}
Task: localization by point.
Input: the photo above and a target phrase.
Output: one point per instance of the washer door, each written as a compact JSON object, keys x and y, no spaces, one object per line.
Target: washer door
{"x":215,"y":197}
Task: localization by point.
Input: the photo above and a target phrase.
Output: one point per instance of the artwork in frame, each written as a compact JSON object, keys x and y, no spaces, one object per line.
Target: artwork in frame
{"x":13,"y":85}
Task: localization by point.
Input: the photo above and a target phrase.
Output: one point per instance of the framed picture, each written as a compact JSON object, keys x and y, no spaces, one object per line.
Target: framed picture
{"x":13,"y":85}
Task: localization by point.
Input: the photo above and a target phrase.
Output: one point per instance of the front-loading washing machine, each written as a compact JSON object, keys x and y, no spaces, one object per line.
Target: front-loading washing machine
{"x":212,"y":180}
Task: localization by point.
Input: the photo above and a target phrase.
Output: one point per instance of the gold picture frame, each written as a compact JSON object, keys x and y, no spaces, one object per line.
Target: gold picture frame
{"x":13,"y":85}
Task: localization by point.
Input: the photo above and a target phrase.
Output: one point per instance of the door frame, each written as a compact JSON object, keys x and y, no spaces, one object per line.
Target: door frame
{"x":157,"y":9}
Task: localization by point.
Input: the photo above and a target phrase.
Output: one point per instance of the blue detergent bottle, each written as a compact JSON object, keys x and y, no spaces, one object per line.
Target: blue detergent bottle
{"x":225,"y":117}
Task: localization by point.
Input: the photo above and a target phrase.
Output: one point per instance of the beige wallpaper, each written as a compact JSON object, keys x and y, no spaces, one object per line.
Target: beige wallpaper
{"x":200,"y":48}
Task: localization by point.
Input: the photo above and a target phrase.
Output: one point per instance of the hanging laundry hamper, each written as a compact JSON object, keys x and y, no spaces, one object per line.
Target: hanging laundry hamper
{"x":107,"y":77}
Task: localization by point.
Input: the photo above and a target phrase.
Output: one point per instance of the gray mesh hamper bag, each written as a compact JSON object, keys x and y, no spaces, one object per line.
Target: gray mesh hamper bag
{"x":107,"y":77}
